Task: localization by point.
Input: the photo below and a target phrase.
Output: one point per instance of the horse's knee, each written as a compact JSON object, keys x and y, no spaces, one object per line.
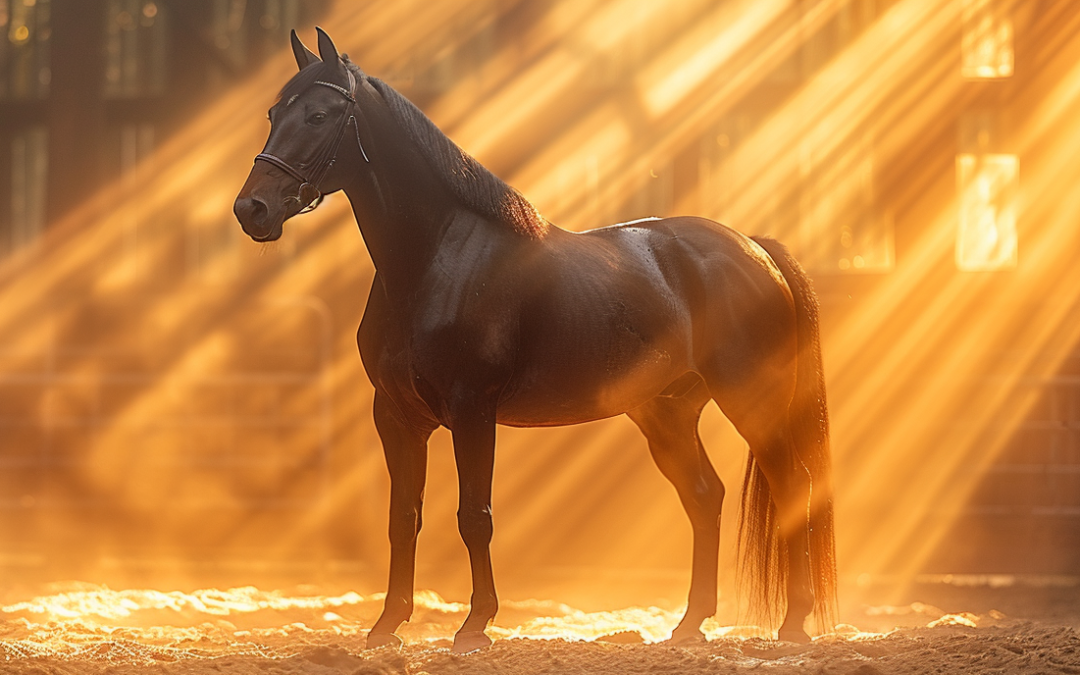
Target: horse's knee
{"x":475,"y":526}
{"x":484,"y":605}
{"x":715,"y":491}
{"x":706,"y":504}
{"x":714,"y":498}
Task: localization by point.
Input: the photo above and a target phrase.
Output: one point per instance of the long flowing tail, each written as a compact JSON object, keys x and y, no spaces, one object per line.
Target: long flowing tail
{"x":763,"y":554}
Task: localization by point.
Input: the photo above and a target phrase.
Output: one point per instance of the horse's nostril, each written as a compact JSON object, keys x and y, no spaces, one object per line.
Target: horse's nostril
{"x":251,"y":211}
{"x":258,"y":211}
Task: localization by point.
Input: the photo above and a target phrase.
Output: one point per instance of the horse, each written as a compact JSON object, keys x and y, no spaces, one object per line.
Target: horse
{"x":482,"y":313}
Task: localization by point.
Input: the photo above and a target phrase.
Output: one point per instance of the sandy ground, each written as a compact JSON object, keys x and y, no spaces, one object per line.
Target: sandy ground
{"x":78,"y":628}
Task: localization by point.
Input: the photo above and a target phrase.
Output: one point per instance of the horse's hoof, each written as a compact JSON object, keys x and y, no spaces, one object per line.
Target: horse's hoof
{"x":797,"y":635}
{"x":470,"y":641}
{"x":686,"y":637}
{"x":376,"y":640}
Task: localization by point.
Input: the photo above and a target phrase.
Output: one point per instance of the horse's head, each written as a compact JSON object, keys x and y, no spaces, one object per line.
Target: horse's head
{"x":314,"y":130}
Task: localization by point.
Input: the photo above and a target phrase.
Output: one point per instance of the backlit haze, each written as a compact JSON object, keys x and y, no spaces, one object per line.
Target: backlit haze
{"x":186,"y":409}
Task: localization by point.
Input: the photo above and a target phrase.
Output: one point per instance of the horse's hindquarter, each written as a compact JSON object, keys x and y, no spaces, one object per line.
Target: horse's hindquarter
{"x":745,"y":319}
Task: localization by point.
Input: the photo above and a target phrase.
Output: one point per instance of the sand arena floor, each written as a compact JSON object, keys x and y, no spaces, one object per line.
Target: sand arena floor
{"x":74,"y":628}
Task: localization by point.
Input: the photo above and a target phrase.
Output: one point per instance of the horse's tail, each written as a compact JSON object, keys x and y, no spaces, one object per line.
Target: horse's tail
{"x":763,"y":554}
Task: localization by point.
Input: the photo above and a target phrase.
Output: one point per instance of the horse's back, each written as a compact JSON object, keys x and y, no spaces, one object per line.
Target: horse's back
{"x":723,"y":275}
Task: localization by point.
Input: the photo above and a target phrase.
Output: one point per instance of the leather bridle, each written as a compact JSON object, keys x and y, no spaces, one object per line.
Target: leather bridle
{"x":327,"y":155}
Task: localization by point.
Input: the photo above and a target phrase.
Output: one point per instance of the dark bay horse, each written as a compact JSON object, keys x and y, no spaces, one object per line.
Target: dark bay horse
{"x":483,"y":313}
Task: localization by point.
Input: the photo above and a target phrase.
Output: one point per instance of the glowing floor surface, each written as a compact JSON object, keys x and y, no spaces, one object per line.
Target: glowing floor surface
{"x":79,"y":628}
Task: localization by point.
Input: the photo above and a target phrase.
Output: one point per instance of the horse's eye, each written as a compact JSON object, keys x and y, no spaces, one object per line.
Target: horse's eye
{"x":317,"y":118}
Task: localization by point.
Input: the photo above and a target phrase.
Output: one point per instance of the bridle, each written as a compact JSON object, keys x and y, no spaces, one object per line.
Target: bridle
{"x":326,"y":157}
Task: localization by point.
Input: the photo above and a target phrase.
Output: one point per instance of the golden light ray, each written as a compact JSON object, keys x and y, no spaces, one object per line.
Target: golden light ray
{"x":708,"y":47}
{"x":974,"y":447}
{"x":850,"y":97}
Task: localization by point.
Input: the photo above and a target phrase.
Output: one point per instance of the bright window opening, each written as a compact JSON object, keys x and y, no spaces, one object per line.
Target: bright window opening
{"x":986,"y":237}
{"x":987,"y":40}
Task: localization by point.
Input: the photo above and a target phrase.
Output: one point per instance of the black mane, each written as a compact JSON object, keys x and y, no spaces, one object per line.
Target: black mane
{"x":467,"y":179}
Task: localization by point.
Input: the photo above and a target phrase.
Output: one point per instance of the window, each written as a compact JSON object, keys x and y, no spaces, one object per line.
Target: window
{"x":986,"y":178}
{"x":987,"y":40}
{"x":986,"y":234}
{"x":24,"y":49}
{"x":247,"y":31}
{"x":29,"y":171}
{"x":134,"y":49}
{"x":276,"y":18}
{"x":136,"y":144}
{"x":228,"y":30}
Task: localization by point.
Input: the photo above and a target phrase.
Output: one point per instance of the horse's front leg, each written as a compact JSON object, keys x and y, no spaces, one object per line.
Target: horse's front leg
{"x":474,"y":452}
{"x":405,"y":447}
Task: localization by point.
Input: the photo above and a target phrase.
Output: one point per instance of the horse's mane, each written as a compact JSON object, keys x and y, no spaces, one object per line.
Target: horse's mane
{"x":467,"y":179}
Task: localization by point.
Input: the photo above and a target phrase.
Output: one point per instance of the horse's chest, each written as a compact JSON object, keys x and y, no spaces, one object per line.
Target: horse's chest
{"x":441,"y":350}
{"x":461,"y":345}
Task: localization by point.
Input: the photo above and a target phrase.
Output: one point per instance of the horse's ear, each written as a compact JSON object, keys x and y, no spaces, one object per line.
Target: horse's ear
{"x":304,"y":56}
{"x":327,"y":50}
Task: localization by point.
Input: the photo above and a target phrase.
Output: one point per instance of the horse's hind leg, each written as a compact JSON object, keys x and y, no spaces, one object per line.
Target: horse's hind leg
{"x":760,"y":414}
{"x":789,"y":482}
{"x":670,"y":425}
{"x":405,"y":447}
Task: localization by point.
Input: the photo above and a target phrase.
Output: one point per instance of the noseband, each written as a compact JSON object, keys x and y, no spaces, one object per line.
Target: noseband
{"x":326,"y":157}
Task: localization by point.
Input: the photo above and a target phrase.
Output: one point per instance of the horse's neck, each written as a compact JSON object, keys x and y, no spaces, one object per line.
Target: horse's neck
{"x":402,"y":213}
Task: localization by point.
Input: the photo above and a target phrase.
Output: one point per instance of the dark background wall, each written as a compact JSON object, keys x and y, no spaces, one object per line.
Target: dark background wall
{"x":173,"y":396}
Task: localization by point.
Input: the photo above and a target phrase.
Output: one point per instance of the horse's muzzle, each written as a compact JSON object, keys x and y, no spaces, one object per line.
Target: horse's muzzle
{"x":256,"y":219}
